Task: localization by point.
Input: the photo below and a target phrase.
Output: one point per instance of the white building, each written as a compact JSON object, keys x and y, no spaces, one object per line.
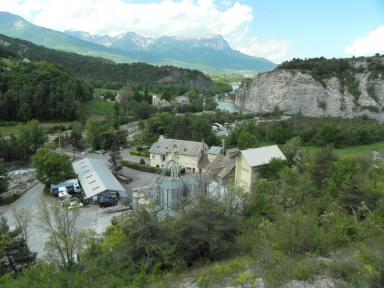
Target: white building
{"x":160,"y":103}
{"x":191,"y":155}
{"x":96,"y":179}
{"x":249,"y":161}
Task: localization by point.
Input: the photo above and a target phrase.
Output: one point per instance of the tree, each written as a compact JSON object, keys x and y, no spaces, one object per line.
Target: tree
{"x":206,"y":232}
{"x":115,"y":157}
{"x":31,"y":136}
{"x":14,"y":252}
{"x":65,"y":241}
{"x":3,"y":177}
{"x":272,"y":169}
{"x":322,"y":167}
{"x":23,"y":219}
{"x":76,"y":134}
{"x":52,"y":167}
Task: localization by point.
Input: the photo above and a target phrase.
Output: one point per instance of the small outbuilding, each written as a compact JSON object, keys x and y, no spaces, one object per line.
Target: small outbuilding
{"x":249,"y":161}
{"x":97,"y":180}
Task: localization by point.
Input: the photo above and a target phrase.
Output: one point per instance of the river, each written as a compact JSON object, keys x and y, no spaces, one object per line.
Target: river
{"x":227,"y":104}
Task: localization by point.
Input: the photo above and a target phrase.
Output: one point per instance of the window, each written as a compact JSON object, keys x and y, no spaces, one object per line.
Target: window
{"x":163,"y":158}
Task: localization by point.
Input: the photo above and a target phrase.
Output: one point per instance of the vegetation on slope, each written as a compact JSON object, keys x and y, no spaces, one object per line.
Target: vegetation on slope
{"x":311,"y":131}
{"x":344,"y":69}
{"x":39,"y":90}
{"x":105,"y":73}
{"x":318,"y":217}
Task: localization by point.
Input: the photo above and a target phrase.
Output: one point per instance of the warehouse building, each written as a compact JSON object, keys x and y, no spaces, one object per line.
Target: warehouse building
{"x":97,"y":180}
{"x":248,"y":163}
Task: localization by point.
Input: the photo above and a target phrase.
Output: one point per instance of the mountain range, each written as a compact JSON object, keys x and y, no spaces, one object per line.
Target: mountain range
{"x":210,"y":54}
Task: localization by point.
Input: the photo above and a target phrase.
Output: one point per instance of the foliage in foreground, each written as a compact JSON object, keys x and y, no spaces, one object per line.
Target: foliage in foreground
{"x":319,"y":217}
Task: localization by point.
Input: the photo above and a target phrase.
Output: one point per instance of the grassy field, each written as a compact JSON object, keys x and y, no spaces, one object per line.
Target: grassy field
{"x":98,"y":107}
{"x":353,"y":151}
{"x":7,"y":130}
{"x":103,"y":91}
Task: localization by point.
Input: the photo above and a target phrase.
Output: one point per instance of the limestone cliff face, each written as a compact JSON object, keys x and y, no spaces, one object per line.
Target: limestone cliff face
{"x":295,"y":92}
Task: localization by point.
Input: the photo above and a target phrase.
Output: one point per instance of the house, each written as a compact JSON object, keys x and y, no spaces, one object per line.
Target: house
{"x":118,"y":97}
{"x":182,"y":100}
{"x":222,"y":168}
{"x":96,"y":179}
{"x":159,"y":103}
{"x":191,"y":155}
{"x":249,"y":161}
{"x":213,"y":152}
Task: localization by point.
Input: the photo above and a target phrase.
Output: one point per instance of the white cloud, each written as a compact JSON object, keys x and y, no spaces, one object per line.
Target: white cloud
{"x":274,"y":49}
{"x":373,"y":43}
{"x":191,"y":18}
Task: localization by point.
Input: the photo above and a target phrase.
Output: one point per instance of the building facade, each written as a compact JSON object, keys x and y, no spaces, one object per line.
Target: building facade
{"x":190,"y":155}
{"x":249,"y":161}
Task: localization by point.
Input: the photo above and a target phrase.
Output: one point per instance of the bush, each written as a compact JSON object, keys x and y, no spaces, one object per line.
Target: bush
{"x":140,"y":167}
{"x":139,"y":153}
{"x":9,"y":199}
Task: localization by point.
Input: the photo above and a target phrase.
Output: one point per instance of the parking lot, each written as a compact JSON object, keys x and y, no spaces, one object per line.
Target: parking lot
{"x":91,"y":217}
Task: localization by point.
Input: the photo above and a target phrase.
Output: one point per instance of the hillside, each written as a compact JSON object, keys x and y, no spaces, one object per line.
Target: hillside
{"x":39,"y":90}
{"x":320,"y":87}
{"x":129,"y":48}
{"x":104,"y":73}
{"x":200,"y":53}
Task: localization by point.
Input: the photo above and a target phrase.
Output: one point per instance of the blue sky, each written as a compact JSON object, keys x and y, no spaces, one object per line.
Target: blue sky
{"x":276,"y":29}
{"x":317,"y":28}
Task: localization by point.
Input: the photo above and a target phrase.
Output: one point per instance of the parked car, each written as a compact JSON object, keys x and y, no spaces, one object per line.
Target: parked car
{"x":106,"y":201}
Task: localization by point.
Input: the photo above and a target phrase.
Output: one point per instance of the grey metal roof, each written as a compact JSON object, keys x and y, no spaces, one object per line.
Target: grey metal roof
{"x":214,"y":150}
{"x":95,"y":177}
{"x":184,"y":147}
{"x":262,"y":155}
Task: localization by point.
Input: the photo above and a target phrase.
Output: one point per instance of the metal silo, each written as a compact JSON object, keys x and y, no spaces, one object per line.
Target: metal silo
{"x":170,"y":193}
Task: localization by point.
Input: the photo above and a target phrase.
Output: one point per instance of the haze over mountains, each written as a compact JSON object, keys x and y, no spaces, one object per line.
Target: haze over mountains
{"x":210,"y":54}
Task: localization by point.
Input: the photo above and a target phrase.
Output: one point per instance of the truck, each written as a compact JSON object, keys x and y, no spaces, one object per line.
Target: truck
{"x":72,"y":186}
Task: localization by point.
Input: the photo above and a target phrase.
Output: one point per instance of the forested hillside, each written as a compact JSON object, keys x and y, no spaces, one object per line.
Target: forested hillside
{"x":39,"y":90}
{"x":105,"y":73}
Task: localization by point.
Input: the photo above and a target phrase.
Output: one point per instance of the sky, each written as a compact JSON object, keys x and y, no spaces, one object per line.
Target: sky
{"x":278,"y":30}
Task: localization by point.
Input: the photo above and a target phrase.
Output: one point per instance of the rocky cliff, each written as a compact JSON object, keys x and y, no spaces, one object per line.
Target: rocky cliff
{"x":356,"y":89}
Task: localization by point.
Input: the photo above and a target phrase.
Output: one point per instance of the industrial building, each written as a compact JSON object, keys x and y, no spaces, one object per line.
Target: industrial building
{"x":249,"y":161}
{"x":97,"y":180}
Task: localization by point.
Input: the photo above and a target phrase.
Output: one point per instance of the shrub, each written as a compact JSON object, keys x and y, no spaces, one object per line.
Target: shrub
{"x":140,"y":167}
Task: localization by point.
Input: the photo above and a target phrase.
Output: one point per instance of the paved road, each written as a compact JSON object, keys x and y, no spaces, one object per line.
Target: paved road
{"x":30,"y":200}
{"x":91,"y":217}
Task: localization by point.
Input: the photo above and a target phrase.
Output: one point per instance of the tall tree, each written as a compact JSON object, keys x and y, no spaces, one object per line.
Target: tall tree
{"x":65,"y":241}
{"x":31,"y":136}
{"x":52,"y":167}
